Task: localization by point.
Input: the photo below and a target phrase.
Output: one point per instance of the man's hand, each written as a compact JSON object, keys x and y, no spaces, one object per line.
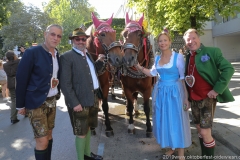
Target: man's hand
{"x":101,"y":57}
{"x":22,"y":111}
{"x":212,"y":94}
{"x":78,"y":108}
{"x":58,"y":96}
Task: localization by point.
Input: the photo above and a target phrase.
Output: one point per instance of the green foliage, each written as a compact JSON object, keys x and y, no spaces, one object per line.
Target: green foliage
{"x":118,"y":24}
{"x":179,"y":15}
{"x":70,"y":15}
{"x":26,"y":26}
{"x":4,"y":11}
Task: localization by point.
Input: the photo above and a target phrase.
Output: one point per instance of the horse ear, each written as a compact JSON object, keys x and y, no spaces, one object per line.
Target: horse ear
{"x":95,"y":20}
{"x":109,"y":21}
{"x":141,"y":20}
{"x":127,"y":19}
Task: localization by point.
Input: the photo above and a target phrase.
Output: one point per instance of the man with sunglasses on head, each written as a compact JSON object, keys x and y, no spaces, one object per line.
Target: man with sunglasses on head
{"x":37,"y":89}
{"x":80,"y":86}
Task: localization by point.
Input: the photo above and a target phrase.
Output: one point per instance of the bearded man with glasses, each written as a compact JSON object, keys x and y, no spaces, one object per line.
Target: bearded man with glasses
{"x":37,"y":89}
{"x":81,"y":88}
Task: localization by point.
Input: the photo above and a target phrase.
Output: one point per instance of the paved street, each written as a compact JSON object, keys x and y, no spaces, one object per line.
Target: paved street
{"x":17,"y":143}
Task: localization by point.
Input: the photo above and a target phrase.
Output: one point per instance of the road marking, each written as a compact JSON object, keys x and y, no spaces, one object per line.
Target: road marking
{"x":100,"y":149}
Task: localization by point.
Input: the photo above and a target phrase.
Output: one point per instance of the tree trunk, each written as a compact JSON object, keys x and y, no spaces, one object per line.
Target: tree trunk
{"x":193,"y":22}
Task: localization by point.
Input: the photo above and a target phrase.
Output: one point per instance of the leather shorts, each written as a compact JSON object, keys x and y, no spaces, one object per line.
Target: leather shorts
{"x":203,"y":112}
{"x":42,"y":118}
{"x":88,"y":117}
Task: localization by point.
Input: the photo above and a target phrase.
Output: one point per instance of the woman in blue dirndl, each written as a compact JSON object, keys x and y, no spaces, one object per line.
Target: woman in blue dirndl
{"x":170,"y":103}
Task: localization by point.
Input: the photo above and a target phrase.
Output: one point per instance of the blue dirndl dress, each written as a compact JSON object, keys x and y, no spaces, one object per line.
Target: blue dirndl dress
{"x":171,"y":126}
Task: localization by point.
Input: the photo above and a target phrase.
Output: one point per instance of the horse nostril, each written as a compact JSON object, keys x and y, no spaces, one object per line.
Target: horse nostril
{"x":133,"y":58}
{"x":117,"y":60}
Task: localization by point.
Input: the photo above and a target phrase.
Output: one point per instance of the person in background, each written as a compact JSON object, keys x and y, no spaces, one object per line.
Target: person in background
{"x":180,"y":51}
{"x":10,"y":67}
{"x":171,"y":125}
{"x":37,"y":89}
{"x":207,"y":76}
{"x":3,"y":82}
{"x":80,"y":86}
{"x":22,"y":50}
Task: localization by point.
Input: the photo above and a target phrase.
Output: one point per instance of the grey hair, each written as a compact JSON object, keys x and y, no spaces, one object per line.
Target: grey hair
{"x":190,"y":31}
{"x":53,"y":25}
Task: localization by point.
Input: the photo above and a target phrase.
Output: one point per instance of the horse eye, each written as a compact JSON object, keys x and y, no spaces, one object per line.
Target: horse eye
{"x":103,"y":34}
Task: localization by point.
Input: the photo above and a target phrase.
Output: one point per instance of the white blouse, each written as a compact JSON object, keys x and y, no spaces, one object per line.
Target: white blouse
{"x":180,"y":65}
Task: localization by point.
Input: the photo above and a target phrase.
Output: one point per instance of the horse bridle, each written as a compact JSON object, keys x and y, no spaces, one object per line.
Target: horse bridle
{"x":108,"y":48}
{"x":132,"y":46}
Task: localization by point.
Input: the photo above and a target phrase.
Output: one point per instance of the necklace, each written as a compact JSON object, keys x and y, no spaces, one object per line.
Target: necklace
{"x":190,"y":79}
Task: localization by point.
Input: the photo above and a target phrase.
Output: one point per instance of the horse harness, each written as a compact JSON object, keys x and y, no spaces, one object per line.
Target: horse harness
{"x":132,"y":71}
{"x":106,"y":66}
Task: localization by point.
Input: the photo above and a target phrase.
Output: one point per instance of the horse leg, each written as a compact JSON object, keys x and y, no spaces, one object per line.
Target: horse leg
{"x":148,"y":123}
{"x":112,"y":92}
{"x":135,"y":104}
{"x":131,"y":127}
{"x":105,"y":107}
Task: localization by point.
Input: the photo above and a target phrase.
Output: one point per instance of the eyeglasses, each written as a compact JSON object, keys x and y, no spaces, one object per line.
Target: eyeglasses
{"x":54,"y":35}
{"x":80,"y":39}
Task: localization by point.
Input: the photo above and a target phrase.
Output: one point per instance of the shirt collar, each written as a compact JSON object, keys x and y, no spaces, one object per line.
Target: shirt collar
{"x":78,"y":51}
{"x":45,"y":48}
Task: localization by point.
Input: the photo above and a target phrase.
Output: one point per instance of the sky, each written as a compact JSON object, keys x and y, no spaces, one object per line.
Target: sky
{"x":105,"y":8}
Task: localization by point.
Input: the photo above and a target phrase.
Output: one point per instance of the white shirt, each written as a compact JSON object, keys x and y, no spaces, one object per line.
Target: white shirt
{"x":54,"y":91}
{"x":92,"y":69}
{"x":180,"y":65}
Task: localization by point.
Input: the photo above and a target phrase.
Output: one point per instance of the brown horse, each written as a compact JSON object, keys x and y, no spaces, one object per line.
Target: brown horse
{"x":102,"y":43}
{"x":137,"y":49}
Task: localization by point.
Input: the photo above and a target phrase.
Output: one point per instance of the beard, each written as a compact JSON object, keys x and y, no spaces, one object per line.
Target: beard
{"x":81,"y":48}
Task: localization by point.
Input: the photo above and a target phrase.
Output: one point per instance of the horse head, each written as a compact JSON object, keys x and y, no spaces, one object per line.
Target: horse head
{"x":133,"y":36}
{"x":104,"y":38}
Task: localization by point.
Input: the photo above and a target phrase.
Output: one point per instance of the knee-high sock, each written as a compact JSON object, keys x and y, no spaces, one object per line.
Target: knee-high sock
{"x":87,"y":150}
{"x":49,"y":149}
{"x":209,"y":149}
{"x":80,"y":147}
{"x":202,"y":145}
{"x":40,"y":154}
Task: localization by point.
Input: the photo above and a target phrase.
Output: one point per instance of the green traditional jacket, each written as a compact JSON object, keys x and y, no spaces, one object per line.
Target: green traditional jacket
{"x":215,"y":69}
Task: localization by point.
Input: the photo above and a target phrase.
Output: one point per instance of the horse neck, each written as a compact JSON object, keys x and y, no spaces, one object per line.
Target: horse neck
{"x":93,"y":50}
{"x":140,"y":56}
{"x":143,"y":53}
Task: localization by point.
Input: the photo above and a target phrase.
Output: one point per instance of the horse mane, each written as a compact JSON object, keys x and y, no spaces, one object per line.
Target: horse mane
{"x":90,"y":42}
{"x":90,"y":30}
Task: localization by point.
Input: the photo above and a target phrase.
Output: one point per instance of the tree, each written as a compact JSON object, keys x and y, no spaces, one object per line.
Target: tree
{"x":69,"y":14}
{"x":26,"y":26}
{"x":179,"y":15}
{"x":4,"y":11}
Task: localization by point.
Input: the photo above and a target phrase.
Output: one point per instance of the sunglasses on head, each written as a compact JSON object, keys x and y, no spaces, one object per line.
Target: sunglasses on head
{"x":80,"y":39}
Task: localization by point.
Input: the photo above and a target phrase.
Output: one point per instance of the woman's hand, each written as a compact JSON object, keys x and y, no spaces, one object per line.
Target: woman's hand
{"x":186,"y":105}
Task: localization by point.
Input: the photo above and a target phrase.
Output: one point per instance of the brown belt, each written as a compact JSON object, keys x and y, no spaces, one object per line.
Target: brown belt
{"x":95,"y":91}
{"x":50,"y":98}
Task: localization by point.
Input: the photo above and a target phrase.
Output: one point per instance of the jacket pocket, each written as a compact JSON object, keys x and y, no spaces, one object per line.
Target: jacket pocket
{"x":31,"y":88}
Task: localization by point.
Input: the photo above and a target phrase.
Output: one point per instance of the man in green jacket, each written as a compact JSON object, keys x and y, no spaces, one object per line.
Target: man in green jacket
{"x":207,"y":76}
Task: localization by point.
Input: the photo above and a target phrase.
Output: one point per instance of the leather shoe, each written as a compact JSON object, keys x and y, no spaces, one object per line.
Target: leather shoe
{"x":93,"y":157}
{"x":14,"y":121}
